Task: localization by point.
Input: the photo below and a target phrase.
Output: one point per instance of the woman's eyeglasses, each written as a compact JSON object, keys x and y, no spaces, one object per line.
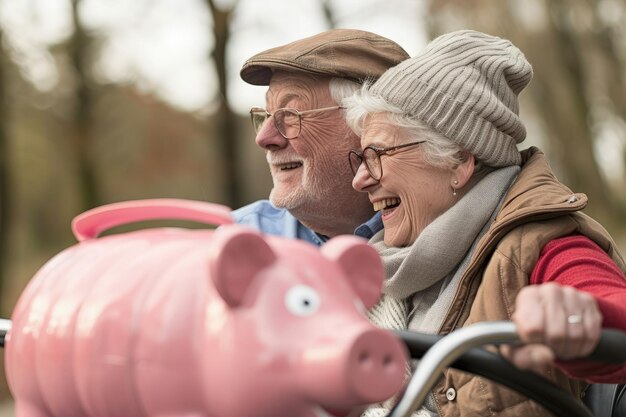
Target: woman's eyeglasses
{"x":288,"y":122}
{"x":371,"y":157}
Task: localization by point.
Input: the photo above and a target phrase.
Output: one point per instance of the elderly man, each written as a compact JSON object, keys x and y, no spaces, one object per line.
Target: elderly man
{"x":305,"y":137}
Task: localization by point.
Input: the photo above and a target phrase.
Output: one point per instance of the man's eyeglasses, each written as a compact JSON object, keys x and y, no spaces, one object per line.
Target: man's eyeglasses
{"x":371,"y":157}
{"x":288,"y":122}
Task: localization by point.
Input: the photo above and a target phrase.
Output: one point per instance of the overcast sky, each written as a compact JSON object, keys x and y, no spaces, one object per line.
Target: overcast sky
{"x":163,"y":46}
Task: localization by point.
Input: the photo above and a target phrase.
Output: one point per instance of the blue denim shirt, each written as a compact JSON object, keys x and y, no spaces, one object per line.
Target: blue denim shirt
{"x":263,"y":216}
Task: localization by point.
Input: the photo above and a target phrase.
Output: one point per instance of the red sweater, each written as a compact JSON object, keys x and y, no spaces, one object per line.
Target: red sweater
{"x":576,"y":261}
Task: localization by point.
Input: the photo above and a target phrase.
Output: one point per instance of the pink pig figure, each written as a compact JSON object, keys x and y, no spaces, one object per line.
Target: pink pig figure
{"x":170,"y":322}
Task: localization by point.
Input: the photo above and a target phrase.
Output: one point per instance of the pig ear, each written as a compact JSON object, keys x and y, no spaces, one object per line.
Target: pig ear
{"x":237,"y":256}
{"x":361,"y":264}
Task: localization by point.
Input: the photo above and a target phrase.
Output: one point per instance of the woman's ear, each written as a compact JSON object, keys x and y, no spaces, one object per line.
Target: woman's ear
{"x":464,"y":171}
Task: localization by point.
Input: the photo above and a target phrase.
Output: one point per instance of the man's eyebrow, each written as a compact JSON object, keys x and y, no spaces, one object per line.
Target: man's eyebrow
{"x":283,"y":100}
{"x":287,"y":98}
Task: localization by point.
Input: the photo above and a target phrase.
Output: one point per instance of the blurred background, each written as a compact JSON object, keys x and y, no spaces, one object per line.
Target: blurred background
{"x":110,"y":100}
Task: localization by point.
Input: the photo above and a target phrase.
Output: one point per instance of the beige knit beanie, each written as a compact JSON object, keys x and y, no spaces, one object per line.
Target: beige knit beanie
{"x":464,"y":85}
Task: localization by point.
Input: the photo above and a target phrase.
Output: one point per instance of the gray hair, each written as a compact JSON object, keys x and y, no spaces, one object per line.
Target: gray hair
{"x":341,"y":88}
{"x":439,"y":151}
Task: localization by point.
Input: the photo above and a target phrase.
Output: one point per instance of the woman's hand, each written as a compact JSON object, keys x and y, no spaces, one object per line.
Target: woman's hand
{"x":554,"y":322}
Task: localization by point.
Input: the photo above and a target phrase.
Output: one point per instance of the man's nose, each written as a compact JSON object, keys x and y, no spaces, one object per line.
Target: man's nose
{"x":363,"y":180}
{"x":269,"y":138}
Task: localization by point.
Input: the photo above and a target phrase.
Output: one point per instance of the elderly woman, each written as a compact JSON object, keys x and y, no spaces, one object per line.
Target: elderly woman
{"x":471,"y":223}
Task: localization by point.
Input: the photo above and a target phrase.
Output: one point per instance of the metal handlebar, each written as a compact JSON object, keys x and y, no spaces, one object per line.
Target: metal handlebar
{"x":5,"y":326}
{"x":481,"y":362}
{"x":443,"y":353}
{"x":460,"y":350}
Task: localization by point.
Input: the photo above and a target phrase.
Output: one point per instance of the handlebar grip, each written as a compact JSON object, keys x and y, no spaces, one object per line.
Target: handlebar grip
{"x":611,"y":348}
{"x":92,"y":223}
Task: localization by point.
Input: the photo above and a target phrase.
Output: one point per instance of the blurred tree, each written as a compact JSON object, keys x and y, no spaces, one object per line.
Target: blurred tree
{"x":5,"y":192}
{"x":329,"y":14}
{"x":564,"y":45}
{"x":5,"y":202}
{"x":82,"y":135}
{"x":226,"y":130}
{"x":564,"y":106}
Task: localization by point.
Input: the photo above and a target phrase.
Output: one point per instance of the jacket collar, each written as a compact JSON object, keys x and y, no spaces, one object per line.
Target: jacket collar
{"x":537,"y":192}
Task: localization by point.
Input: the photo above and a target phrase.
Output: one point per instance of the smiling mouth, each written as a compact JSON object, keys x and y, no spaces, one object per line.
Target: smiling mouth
{"x":289,"y":166}
{"x":386,"y":205}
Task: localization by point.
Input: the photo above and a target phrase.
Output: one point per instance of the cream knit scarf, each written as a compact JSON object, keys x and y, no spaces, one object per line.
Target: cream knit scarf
{"x":422,"y":278}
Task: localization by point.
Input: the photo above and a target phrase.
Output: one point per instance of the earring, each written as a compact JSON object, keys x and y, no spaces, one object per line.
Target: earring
{"x":455,"y":182}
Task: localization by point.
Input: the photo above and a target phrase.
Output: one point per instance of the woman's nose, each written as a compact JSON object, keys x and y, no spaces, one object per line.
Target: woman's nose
{"x":269,"y":138}
{"x":363,"y":180}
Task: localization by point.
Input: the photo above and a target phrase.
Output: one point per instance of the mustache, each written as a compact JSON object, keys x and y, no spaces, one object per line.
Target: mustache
{"x":273,"y":159}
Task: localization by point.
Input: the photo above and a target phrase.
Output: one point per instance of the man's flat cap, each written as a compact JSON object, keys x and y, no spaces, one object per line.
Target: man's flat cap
{"x":344,"y":53}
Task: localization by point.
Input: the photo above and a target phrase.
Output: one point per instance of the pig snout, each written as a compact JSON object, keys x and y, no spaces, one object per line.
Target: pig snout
{"x":367,"y":368}
{"x":376,"y":367}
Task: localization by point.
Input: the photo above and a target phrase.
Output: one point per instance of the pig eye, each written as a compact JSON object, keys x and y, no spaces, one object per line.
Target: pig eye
{"x":302,"y":300}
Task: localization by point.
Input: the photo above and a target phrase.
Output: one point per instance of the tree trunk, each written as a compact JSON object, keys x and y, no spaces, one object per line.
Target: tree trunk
{"x":82,"y":118}
{"x":226,"y":120}
{"x":567,"y":110}
{"x":5,"y":200}
{"x":329,"y":15}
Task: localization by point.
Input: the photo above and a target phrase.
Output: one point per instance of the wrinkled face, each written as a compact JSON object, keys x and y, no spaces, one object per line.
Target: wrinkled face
{"x":311,"y":167}
{"x":411,"y":193}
